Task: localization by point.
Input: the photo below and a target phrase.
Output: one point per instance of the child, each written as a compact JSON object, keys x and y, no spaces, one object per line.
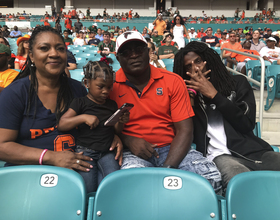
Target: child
{"x":89,"y":114}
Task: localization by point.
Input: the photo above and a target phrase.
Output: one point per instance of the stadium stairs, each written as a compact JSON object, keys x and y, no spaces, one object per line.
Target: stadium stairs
{"x":271,"y":120}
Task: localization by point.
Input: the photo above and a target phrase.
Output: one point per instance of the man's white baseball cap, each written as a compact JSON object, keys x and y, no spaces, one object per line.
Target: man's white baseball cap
{"x":127,"y":37}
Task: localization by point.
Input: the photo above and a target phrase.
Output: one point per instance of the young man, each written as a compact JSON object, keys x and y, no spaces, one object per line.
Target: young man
{"x":99,"y":34}
{"x":6,"y":75}
{"x":78,"y":25}
{"x":106,"y":46}
{"x":67,"y":40}
{"x":225,"y":114}
{"x":159,"y":132}
{"x":92,"y":40}
{"x":256,"y":43}
{"x":213,"y":41}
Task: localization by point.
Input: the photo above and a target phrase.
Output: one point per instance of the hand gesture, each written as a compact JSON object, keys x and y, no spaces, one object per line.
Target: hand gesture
{"x":142,"y":148}
{"x":199,"y":82}
{"x":91,"y":120}
{"x":124,"y":118}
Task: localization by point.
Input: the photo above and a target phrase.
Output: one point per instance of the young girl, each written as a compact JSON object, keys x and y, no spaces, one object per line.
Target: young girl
{"x":89,"y":113}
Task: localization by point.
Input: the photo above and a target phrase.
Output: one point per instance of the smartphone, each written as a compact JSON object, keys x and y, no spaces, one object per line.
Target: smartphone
{"x":115,"y":117}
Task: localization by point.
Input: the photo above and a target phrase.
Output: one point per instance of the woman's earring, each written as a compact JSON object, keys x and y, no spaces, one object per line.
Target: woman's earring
{"x":32,"y":64}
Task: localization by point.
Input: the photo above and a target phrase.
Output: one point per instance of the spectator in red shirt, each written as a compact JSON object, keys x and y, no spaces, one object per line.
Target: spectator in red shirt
{"x":68,"y":24}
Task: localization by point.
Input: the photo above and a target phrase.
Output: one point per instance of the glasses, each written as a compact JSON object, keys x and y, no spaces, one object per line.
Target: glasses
{"x":128,"y":52}
{"x":232,"y":36}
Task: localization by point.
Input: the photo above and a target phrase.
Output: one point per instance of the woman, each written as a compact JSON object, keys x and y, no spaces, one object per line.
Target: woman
{"x":219,"y":33}
{"x":179,"y":30}
{"x":145,"y":33}
{"x":154,"y":58}
{"x":237,"y":39}
{"x":23,"y":48}
{"x":112,"y":36}
{"x":38,"y":97}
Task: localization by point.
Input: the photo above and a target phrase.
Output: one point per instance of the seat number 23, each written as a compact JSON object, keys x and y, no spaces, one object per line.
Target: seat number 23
{"x":49,"y":180}
{"x":172,"y":182}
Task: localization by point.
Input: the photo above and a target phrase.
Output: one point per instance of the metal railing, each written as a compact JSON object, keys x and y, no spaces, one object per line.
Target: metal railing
{"x":260,"y":84}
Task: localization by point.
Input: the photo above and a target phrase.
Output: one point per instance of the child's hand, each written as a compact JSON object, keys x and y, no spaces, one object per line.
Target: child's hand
{"x":91,"y":120}
{"x":125,"y":118}
{"x":118,"y":147}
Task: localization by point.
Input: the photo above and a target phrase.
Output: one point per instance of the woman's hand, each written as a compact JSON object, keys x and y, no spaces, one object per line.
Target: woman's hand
{"x":68,"y":159}
{"x":199,"y":82}
{"x":153,"y":57}
{"x":118,"y":147}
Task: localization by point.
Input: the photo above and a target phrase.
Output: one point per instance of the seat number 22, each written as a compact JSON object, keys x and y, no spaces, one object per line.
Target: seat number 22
{"x":49,"y":180}
{"x":172,"y":182}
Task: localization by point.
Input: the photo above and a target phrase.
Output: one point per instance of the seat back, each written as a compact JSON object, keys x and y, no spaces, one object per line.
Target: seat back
{"x":273,"y":85}
{"x":77,"y":74}
{"x":154,"y":193}
{"x":33,"y":192}
{"x":254,"y":196}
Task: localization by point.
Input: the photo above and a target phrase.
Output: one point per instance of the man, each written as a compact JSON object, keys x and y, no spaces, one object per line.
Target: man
{"x":241,"y":34}
{"x":6,"y":75}
{"x":92,"y":40}
{"x":78,"y":25}
{"x":213,"y":41}
{"x":88,"y":13}
{"x":15,"y":33}
{"x":240,"y":60}
{"x":232,"y":44}
{"x":93,"y":28}
{"x":256,"y":43}
{"x":270,"y":52}
{"x":225,"y":114}
{"x":268,"y":34}
{"x":201,"y":33}
{"x":192,"y":33}
{"x":68,"y":25}
{"x":67,"y":40}
{"x":98,"y":16}
{"x":106,"y":46}
{"x":159,"y":132}
{"x":99,"y":34}
{"x":159,"y":24}
{"x":156,"y":38}
{"x":5,"y":31}
{"x":167,"y":51}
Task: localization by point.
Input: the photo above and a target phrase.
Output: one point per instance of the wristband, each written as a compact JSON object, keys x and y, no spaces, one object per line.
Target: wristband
{"x":192,"y":90}
{"x":41,"y":156}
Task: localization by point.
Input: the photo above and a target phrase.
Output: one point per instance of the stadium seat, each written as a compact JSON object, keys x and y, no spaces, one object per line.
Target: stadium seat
{"x":116,"y":66}
{"x":88,"y":56}
{"x":77,"y":74}
{"x":33,"y":192}
{"x":217,"y":49}
{"x":81,"y":61}
{"x":273,"y":83}
{"x":254,"y":196}
{"x":253,"y":69}
{"x":169,"y":67}
{"x":168,"y":61}
{"x":274,"y":62}
{"x":153,"y":193}
{"x":2,"y":163}
{"x":257,"y":132}
{"x":75,"y":51}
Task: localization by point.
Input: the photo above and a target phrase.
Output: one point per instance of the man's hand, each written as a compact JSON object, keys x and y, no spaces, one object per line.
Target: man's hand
{"x":140,"y":148}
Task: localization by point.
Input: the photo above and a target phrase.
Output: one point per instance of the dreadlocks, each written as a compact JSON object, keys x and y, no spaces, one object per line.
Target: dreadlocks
{"x":64,"y":96}
{"x":219,"y":76}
